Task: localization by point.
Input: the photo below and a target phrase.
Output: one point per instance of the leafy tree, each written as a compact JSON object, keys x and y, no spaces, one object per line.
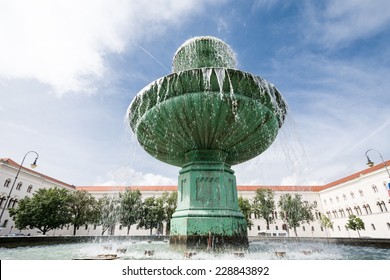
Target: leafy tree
{"x":355,"y":223}
{"x":326,"y":223}
{"x":294,"y":211}
{"x":107,"y":213}
{"x":130,"y":207}
{"x":81,"y":206}
{"x":264,"y":205}
{"x":152,"y":214}
{"x":46,"y":210}
{"x":170,"y":204}
{"x":246,"y":210}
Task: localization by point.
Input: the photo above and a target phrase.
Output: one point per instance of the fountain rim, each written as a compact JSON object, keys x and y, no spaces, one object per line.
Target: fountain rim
{"x":150,"y":89}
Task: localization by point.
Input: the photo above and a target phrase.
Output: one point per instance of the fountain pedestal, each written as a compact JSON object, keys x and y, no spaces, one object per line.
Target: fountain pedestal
{"x":207,"y":210}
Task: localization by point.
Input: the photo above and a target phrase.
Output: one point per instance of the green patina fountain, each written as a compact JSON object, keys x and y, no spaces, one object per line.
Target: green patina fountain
{"x":205,"y":117}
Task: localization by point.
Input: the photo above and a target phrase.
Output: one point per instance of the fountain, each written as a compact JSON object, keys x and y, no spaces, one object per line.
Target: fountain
{"x":205,"y":117}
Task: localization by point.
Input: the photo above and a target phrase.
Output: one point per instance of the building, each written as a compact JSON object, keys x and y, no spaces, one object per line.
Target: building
{"x":364,"y":194}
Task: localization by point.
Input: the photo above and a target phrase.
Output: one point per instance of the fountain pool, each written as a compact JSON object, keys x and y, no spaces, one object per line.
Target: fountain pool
{"x":286,"y":249}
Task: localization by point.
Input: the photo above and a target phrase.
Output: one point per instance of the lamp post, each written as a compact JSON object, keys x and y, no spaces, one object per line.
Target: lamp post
{"x":33,"y":165}
{"x":371,"y":164}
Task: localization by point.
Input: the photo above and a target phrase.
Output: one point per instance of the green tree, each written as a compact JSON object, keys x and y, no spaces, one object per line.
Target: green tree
{"x":264,"y":205}
{"x":81,"y":206}
{"x":170,"y":204}
{"x":46,"y":210}
{"x":246,"y":210}
{"x":355,"y":223}
{"x":107,"y":213}
{"x":152,"y":214}
{"x":130,"y":207}
{"x":326,"y":223}
{"x":294,"y":211}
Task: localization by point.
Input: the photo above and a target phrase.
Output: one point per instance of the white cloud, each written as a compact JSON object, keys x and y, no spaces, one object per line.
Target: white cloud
{"x":127,"y":176}
{"x":341,"y":22}
{"x":64,"y":43}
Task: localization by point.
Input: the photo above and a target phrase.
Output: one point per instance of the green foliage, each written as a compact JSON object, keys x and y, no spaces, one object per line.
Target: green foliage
{"x":246,"y":210}
{"x":82,"y":205}
{"x":264,"y":205}
{"x":153,"y":214}
{"x":170,"y":204}
{"x":294,"y":211}
{"x":326,"y":222}
{"x":130,"y":207}
{"x":107,"y":213}
{"x":46,"y":210}
{"x":355,"y":223}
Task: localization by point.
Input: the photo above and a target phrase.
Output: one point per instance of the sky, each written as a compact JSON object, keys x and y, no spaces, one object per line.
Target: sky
{"x":70,"y":69}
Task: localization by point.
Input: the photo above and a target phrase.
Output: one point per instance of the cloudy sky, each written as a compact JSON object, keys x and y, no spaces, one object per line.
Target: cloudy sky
{"x":69,"y":70}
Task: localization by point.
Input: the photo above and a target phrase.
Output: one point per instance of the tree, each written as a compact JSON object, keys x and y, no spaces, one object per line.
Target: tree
{"x":81,"y":205}
{"x":152,"y":214}
{"x":294,"y":211}
{"x":264,"y":205}
{"x":46,"y":210}
{"x":246,"y":210}
{"x":130,"y":208}
{"x":107,"y":213}
{"x":170,"y":204}
{"x":355,"y":223}
{"x":326,"y":223}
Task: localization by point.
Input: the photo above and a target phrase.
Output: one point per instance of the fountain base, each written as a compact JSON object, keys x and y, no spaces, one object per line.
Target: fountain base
{"x":207,"y":214}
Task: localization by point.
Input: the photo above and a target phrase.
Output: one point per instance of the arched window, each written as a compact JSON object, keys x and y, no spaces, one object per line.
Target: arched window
{"x":361,"y":192}
{"x":349,"y":210}
{"x":315,"y":203}
{"x":258,"y":228}
{"x":303,"y":228}
{"x":86,"y":227}
{"x":276,"y":228}
{"x":339,"y":228}
{"x":325,"y":201}
{"x":337,"y":199}
{"x":7,"y":182}
{"x":358,"y":210}
{"x":374,"y":188}
{"x":335,"y":214}
{"x":29,"y":188}
{"x":352,"y":194}
{"x":5,"y":223}
{"x":19,"y":186}
{"x":344,"y":196}
{"x":312,"y":228}
{"x":331,"y":200}
{"x":342,"y":213}
{"x":284,"y":227}
{"x":379,"y":204}
{"x":2,"y":199}
{"x":276,"y":215}
{"x":384,"y":206}
{"x":329,"y":215}
{"x":373,"y":227}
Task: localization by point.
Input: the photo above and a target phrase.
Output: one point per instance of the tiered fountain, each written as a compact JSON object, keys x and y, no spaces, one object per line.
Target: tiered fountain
{"x":205,"y":117}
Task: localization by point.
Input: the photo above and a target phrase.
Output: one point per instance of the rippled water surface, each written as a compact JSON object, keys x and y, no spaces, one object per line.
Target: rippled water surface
{"x":260,"y":250}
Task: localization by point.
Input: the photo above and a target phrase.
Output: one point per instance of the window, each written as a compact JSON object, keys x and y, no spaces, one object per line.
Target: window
{"x":358,"y":210}
{"x":374,"y":188}
{"x":331,"y":200}
{"x":328,"y":214}
{"x":344,"y":196}
{"x":303,"y":228}
{"x":361,"y":193}
{"x":388,"y":226}
{"x":29,"y":188}
{"x":19,"y":186}
{"x":276,"y":228}
{"x":335,"y":214}
{"x":322,"y":228}
{"x":373,"y":227}
{"x":258,"y":227}
{"x":315,"y":203}
{"x":352,"y":194}
{"x":337,"y":199}
{"x":325,"y":201}
{"x":382,"y":206}
{"x":312,"y":228}
{"x":342,"y":213}
{"x":86,"y":227}
{"x":5,"y":223}
{"x":339,"y":228}
{"x":7,"y":182}
{"x":2,"y":201}
{"x":349,"y":210}
{"x":276,"y":215}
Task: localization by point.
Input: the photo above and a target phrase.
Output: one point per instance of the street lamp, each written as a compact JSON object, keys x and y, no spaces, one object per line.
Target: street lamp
{"x":371,"y":164}
{"x":33,"y":165}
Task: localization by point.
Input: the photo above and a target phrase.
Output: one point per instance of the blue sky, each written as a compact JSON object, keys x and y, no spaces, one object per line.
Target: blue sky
{"x":69,"y":70}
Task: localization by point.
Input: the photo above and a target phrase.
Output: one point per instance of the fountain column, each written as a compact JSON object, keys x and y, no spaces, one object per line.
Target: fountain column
{"x":207,"y":203}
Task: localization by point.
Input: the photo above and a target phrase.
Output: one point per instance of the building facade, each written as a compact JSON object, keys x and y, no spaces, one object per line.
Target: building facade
{"x":364,"y":194}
